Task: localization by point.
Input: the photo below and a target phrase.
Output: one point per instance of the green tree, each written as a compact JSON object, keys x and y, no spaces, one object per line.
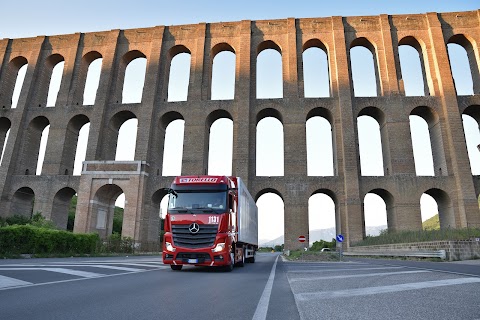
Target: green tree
{"x":71,"y":213}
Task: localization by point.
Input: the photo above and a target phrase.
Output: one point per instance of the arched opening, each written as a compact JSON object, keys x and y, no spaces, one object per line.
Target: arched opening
{"x":173,"y":145}
{"x":412,"y":67}
{"x":440,"y":201}
{"x":315,"y":69}
{"x":75,"y":144}
{"x":127,"y":138}
{"x":61,"y":206}
{"x":422,"y":148}
{"x":22,"y":202}
{"x":55,"y":82}
{"x":220,"y":145}
{"x":35,"y":139}
{"x":464,"y":65}
{"x":429,"y":212}
{"x":92,"y":81}
{"x":377,"y":212}
{"x":5,"y":125}
{"x":223,"y":72}
{"x":271,"y":220}
{"x":120,"y":137}
{"x":134,"y":79}
{"x":364,"y":68}
{"x":81,"y":151}
{"x":160,"y":204}
{"x":269,"y":146}
{"x":322,"y":222}
{"x":319,"y":146}
{"x":427,"y":143}
{"x":104,"y":210}
{"x":269,"y":71}
{"x":470,"y":119}
{"x":179,"y":75}
{"x":42,"y":150}
{"x":370,"y":146}
{"x":22,"y":71}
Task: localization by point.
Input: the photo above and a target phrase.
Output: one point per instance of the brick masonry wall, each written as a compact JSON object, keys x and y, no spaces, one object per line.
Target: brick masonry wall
{"x":453,"y":186}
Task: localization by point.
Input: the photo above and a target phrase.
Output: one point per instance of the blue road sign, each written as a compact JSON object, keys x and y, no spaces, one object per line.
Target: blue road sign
{"x":340,"y":238}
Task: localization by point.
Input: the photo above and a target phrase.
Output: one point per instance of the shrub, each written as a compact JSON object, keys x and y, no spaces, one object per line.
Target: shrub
{"x":319,"y":245}
{"x":20,"y":239}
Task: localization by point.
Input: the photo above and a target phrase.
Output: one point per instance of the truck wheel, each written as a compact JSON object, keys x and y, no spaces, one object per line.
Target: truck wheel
{"x":252,"y":259}
{"x":176,"y":267}
{"x":229,"y":267}
{"x":242,"y":263}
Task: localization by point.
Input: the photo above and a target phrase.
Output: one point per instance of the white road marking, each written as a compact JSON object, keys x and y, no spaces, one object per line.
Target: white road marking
{"x":152,"y":265}
{"x":43,"y":267}
{"x":114,"y":268}
{"x":262,"y":307}
{"x":379,"y":274}
{"x":79,"y":273}
{"x":11,"y":282}
{"x":324,"y":295}
{"x":28,"y":284}
{"x":340,"y":269}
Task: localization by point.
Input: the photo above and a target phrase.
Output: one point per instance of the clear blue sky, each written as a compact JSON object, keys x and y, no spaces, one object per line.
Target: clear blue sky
{"x":35,"y":18}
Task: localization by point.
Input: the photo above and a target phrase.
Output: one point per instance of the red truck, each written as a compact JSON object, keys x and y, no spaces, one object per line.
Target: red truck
{"x":210,"y":221}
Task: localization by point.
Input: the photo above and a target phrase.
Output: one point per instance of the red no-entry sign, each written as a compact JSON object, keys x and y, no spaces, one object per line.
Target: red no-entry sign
{"x":301,"y":238}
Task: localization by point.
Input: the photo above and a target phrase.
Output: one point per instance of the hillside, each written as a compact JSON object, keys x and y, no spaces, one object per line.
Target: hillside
{"x":319,"y":234}
{"x":431,"y":224}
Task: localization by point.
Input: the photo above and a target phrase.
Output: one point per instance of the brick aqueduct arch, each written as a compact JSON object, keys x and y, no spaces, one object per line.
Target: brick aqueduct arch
{"x":103,"y":179}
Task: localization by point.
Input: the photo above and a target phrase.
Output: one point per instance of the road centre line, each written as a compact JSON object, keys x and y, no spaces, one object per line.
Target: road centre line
{"x":324,"y":295}
{"x":262,"y":307}
{"x":358,"y":275}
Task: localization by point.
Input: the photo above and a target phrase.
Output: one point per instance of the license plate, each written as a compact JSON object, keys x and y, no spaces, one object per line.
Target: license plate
{"x":192,"y":260}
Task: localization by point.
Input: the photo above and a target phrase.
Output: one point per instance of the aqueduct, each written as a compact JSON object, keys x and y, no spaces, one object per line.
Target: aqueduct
{"x":103,"y":179}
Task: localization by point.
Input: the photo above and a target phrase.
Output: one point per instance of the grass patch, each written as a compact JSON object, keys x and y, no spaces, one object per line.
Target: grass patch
{"x":300,"y":255}
{"x":420,"y":236}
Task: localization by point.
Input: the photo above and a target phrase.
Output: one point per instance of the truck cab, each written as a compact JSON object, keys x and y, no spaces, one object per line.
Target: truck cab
{"x":201,"y":225}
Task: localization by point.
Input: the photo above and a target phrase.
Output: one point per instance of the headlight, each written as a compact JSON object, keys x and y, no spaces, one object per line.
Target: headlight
{"x":219,"y":247}
{"x":169,"y":247}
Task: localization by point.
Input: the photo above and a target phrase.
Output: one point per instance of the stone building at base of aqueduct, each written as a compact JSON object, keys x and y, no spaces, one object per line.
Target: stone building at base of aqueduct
{"x":102,"y":180}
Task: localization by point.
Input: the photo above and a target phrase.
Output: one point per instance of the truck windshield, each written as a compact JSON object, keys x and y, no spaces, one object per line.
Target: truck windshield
{"x":203,"y":201}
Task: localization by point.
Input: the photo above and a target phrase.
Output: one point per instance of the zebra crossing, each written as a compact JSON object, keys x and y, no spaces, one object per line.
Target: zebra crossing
{"x":15,"y":275}
{"x":371,"y":291}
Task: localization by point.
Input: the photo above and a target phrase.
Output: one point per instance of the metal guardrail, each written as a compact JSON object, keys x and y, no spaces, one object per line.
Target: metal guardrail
{"x":400,"y":253}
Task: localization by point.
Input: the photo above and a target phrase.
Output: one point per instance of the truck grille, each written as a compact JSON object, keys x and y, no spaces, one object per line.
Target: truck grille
{"x":205,"y":237}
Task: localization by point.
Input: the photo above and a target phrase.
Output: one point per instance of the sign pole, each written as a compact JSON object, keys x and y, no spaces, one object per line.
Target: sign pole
{"x":340,"y":239}
{"x":302,"y":239}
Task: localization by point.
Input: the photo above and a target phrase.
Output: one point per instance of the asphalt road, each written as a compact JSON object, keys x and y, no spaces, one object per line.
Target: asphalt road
{"x":143,"y":288}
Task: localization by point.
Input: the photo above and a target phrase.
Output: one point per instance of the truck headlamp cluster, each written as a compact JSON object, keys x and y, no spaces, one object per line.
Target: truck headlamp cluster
{"x":169,"y":247}
{"x":219,"y":247}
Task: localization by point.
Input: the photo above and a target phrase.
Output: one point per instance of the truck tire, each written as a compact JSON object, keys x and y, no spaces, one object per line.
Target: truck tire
{"x":242,"y":262}
{"x":176,"y":267}
{"x":229,"y":268}
{"x":252,"y":259}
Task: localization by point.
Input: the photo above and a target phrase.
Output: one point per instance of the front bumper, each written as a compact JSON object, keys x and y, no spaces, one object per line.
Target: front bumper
{"x":197,"y":258}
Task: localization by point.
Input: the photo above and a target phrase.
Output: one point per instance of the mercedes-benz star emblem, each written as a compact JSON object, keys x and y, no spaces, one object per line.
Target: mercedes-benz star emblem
{"x":194,"y":228}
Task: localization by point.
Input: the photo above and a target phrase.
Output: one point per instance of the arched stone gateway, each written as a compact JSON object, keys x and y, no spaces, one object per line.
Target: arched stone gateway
{"x":141,"y":180}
